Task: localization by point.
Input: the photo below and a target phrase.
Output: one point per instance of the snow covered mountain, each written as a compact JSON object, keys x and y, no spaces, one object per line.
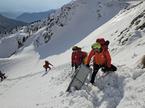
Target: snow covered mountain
{"x":77,"y":23}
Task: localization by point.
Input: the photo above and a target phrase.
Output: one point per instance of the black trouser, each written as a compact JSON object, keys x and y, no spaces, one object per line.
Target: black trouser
{"x":77,"y":65}
{"x":104,"y":69}
{"x":112,"y":68}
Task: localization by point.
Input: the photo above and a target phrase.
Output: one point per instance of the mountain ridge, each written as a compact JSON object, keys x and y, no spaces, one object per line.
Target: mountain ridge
{"x":34,"y":16}
{"x":7,"y":24}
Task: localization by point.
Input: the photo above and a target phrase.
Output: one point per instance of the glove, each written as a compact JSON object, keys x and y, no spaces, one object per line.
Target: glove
{"x":103,"y":69}
{"x":87,"y":65}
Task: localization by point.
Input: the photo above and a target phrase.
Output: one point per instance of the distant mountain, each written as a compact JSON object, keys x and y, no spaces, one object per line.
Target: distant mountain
{"x":31,"y":17}
{"x":7,"y":24}
{"x":12,"y":15}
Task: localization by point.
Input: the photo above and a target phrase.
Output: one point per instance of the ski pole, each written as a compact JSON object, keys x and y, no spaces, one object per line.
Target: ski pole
{"x":72,"y":69}
{"x":71,"y":74}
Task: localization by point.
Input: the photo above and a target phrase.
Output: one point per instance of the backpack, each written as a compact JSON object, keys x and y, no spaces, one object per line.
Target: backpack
{"x":84,"y":57}
{"x":101,"y":41}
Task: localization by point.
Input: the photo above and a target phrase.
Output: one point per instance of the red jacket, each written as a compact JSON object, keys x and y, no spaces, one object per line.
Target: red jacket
{"x":77,"y":57}
{"x":102,"y":58}
{"x":46,"y":65}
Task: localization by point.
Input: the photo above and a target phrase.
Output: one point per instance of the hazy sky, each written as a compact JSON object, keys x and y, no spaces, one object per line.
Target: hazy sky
{"x":30,"y":5}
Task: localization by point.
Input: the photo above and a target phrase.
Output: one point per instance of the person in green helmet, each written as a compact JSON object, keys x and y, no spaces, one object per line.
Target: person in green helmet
{"x":101,"y":59}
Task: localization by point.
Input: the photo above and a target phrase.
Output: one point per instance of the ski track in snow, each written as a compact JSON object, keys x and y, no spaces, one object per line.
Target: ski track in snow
{"x":107,"y":92}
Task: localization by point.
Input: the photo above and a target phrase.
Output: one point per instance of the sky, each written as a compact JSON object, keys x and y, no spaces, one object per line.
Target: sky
{"x":30,"y":5}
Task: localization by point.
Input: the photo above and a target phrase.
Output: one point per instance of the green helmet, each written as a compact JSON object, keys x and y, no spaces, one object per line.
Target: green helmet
{"x":96,"y":46}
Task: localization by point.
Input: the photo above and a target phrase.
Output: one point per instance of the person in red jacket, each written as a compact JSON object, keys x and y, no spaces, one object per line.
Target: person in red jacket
{"x":77,"y":57}
{"x":101,"y":59}
{"x":47,"y":65}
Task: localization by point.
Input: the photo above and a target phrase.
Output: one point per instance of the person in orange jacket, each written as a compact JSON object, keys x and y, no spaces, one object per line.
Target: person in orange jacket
{"x":47,"y":65}
{"x":77,"y":57}
{"x":101,"y":59}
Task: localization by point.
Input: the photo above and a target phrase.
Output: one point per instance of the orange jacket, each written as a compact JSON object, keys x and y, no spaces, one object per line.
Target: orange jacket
{"x":102,"y":58}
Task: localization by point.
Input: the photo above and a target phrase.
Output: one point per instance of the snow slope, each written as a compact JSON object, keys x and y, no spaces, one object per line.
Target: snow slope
{"x":28,"y":86}
{"x":86,"y":17}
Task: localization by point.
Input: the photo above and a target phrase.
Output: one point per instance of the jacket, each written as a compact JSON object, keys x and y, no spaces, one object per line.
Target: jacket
{"x":100,"y":58}
{"x":46,"y":65}
{"x":77,"y":57}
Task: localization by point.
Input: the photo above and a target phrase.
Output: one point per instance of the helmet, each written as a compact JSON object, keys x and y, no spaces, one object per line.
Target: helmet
{"x":46,"y":61}
{"x":74,"y":47}
{"x":96,"y":45}
{"x":79,"y":48}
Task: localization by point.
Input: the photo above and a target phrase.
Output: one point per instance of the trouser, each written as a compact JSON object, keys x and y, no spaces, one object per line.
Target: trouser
{"x":77,"y":65}
{"x":104,"y":69}
{"x":47,"y":68}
